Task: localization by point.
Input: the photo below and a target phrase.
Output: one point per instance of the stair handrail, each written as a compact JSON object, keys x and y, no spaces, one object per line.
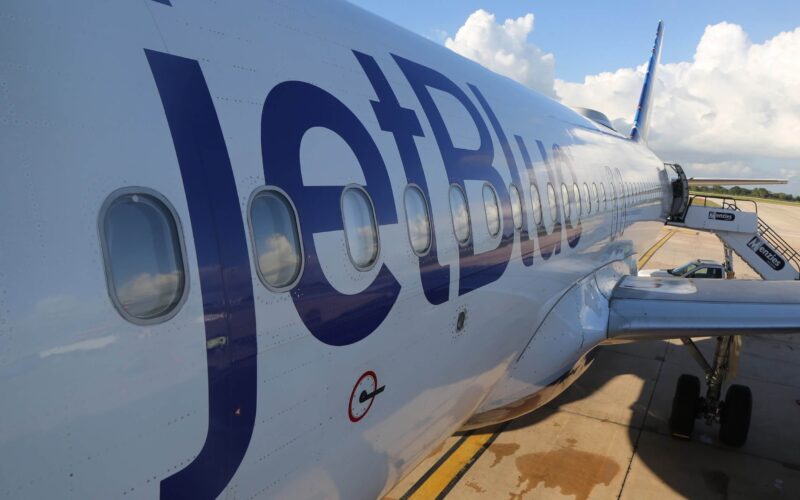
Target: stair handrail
{"x":726,"y":202}
{"x":765,"y":231}
{"x":778,"y":243}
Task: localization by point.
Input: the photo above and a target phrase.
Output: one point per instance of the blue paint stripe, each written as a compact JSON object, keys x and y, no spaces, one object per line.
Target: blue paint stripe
{"x":225,"y":278}
{"x":165,"y":2}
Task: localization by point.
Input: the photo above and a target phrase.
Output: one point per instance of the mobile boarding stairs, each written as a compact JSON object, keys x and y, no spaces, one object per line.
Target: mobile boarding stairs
{"x":737,"y":224}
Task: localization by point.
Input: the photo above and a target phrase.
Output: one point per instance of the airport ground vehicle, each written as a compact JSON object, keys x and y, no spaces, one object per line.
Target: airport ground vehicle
{"x":698,"y":268}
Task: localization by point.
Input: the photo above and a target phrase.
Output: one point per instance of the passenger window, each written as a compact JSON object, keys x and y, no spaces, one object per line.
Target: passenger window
{"x":143,"y":252}
{"x":276,"y":239}
{"x":597,"y":206}
{"x":536,"y":204}
{"x":587,"y":196}
{"x":576,"y":195}
{"x":516,"y":206}
{"x":418,"y":220}
{"x":605,"y":197}
{"x":491,"y":209}
{"x":565,"y":202}
{"x":551,"y":201}
{"x":361,"y":233}
{"x":460,"y":213}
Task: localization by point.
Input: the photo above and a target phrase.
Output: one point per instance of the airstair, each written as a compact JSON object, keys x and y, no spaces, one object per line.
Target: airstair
{"x":742,"y":232}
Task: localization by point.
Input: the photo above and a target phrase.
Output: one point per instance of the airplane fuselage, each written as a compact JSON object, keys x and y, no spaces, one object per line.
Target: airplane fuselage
{"x":337,"y":381}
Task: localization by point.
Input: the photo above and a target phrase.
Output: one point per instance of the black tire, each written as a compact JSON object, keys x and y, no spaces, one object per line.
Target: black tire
{"x":735,"y":415}
{"x":684,"y":406}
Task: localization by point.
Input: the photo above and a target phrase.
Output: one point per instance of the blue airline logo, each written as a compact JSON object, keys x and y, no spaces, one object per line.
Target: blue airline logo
{"x":291,"y":109}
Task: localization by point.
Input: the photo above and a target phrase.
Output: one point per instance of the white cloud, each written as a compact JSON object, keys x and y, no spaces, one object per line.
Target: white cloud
{"x":504,"y":48}
{"x":734,"y":98}
{"x":278,"y":260}
{"x":147,"y":293}
{"x":734,"y":109}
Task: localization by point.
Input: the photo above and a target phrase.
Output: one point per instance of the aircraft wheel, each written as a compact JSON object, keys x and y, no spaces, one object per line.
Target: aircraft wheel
{"x":735,"y":415}
{"x":685,"y":405}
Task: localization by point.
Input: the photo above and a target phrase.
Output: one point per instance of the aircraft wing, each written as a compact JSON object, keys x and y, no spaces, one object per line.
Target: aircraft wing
{"x":666,"y":308}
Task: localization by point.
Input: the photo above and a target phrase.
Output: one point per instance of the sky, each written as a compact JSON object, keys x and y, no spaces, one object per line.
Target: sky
{"x":727,"y":101}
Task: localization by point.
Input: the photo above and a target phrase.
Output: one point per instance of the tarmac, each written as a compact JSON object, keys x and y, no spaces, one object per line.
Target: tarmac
{"x":607,"y":435}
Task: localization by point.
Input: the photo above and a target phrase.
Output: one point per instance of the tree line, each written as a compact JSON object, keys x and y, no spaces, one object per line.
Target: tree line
{"x":758,"y":192}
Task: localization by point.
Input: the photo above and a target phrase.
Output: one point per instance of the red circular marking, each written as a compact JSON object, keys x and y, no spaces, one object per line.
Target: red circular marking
{"x":353,"y":418}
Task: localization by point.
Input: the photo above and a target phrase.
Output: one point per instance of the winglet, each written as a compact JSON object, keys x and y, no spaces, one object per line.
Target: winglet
{"x":641,"y":121}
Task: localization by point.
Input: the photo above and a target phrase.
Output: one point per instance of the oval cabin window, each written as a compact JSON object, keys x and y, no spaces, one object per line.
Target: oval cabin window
{"x":361,"y":233}
{"x":516,"y":206}
{"x":536,"y":204}
{"x":587,"y":197}
{"x":418,"y":220}
{"x":492,"y":210}
{"x":143,"y":255}
{"x":276,"y":239}
{"x":552,"y":203}
{"x":460,"y":213}
{"x":605,"y":196}
{"x":565,"y":202}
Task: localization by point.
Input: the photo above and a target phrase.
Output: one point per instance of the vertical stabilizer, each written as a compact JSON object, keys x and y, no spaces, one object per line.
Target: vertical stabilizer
{"x":641,"y":122}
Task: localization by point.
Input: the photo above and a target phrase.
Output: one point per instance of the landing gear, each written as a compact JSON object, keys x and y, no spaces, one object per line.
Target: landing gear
{"x":685,"y":406}
{"x":733,"y":414}
{"x":734,"y":419}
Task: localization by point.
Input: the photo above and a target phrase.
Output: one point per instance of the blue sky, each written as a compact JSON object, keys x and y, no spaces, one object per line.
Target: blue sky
{"x":591,"y":37}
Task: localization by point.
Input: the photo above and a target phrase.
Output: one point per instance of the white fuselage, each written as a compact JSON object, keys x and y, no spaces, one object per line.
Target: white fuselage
{"x":243,"y":390}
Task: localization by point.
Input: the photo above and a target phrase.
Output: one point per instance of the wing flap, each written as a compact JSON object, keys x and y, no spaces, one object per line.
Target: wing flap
{"x":666,"y":308}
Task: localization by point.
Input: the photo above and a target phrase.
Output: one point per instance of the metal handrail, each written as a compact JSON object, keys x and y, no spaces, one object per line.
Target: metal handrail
{"x":764,"y":230}
{"x":778,"y":243}
{"x":727,"y":203}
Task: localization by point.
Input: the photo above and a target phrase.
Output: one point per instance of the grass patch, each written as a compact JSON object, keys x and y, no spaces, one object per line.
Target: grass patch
{"x":772,"y":201}
{"x":701,"y":200}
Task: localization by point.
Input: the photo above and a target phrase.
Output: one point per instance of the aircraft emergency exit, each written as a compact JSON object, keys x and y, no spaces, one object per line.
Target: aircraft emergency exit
{"x":266,"y":249}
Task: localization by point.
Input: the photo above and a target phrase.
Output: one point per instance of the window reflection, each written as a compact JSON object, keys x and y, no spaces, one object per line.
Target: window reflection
{"x":587,"y":196}
{"x":143,"y":256}
{"x":565,"y":202}
{"x":552,"y":202}
{"x":359,"y":228}
{"x":491,"y":209}
{"x":516,"y":206}
{"x":460,"y":213}
{"x":536,"y":204}
{"x":276,"y":239}
{"x":576,"y":196}
{"x":418,"y":219}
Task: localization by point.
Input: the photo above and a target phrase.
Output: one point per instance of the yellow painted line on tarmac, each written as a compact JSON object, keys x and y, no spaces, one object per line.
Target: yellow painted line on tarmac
{"x":451,"y":467}
{"x":655,"y":248}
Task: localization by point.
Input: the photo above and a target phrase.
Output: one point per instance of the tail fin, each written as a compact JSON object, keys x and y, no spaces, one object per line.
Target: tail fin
{"x":641,"y":122}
